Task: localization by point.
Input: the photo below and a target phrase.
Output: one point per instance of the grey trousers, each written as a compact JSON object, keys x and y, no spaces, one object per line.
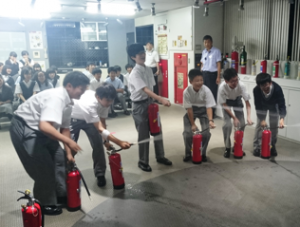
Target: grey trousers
{"x":122,"y":100}
{"x":273,"y":119}
{"x":140,"y":117}
{"x":43,"y":159}
{"x":201,"y":114}
{"x":210,"y":81}
{"x":95,"y":140}
{"x":237,"y":106}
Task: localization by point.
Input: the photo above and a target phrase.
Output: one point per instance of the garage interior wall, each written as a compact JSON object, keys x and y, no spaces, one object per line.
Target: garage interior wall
{"x":263,"y":27}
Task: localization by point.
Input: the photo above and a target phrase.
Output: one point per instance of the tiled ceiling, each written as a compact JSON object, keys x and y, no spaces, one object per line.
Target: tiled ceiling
{"x":71,"y":12}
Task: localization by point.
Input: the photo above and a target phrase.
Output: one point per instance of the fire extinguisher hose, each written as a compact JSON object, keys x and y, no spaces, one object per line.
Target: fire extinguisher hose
{"x":43,"y":216}
{"x":84,"y":183}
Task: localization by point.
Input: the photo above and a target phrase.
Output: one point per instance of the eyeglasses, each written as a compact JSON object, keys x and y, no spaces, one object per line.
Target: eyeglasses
{"x":233,"y":81}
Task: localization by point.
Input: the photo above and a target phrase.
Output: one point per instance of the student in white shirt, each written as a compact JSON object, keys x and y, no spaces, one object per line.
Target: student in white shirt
{"x":152,"y":61}
{"x":53,"y":77}
{"x":231,"y":92}
{"x":198,"y":100}
{"x":119,"y":86}
{"x":25,"y":61}
{"x":141,"y":84}
{"x":42,"y":81}
{"x":89,"y":114}
{"x":36,"y":139}
{"x":27,"y":87}
{"x":128,"y":68}
{"x":88,"y":70}
{"x":13,"y":63}
{"x":96,"y":82}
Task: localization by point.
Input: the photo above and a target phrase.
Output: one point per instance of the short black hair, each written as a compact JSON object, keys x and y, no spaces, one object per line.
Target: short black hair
{"x":193,"y":73}
{"x":150,"y":42}
{"x":118,"y":68}
{"x":134,"y":49}
{"x":5,"y":67}
{"x":13,"y":54}
{"x":229,"y":74}
{"x":96,"y":70}
{"x":25,"y":71}
{"x":37,"y":65}
{"x":49,"y":71}
{"x":263,"y":78}
{"x":24,"y":52}
{"x":207,"y":37}
{"x":111,"y":69}
{"x":106,"y":90}
{"x":53,"y":67}
{"x":128,"y":66}
{"x":76,"y":79}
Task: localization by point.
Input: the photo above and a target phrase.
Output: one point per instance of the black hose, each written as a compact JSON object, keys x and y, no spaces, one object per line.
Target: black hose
{"x":84,"y":183}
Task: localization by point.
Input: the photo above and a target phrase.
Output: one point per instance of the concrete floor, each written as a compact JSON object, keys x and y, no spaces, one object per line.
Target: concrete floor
{"x":222,"y":192}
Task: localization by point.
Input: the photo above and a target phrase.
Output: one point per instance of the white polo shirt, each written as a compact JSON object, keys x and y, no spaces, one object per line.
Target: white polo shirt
{"x":87,"y":108}
{"x":94,"y":84}
{"x":18,"y":90}
{"x":210,"y":59}
{"x":225,"y":92}
{"x":53,"y":105}
{"x":139,"y":78}
{"x":202,"y":98}
{"x":152,"y":58}
{"x":117,"y":83}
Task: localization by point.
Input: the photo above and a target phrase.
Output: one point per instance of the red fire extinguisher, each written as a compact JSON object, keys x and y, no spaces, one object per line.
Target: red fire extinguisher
{"x":263,"y":65}
{"x":238,"y":144}
{"x":235,"y":60}
{"x":266,"y":143}
{"x":154,"y":121}
{"x":116,"y":168}
{"x":197,"y":148}
{"x":276,"y":68}
{"x":73,"y":188}
{"x":32,"y":212}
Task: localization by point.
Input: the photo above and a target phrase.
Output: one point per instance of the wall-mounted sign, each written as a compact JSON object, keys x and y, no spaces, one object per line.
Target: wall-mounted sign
{"x":36,"y":40}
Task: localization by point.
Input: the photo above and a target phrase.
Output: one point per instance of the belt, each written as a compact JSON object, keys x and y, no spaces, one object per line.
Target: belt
{"x":140,"y":102}
{"x":19,"y":118}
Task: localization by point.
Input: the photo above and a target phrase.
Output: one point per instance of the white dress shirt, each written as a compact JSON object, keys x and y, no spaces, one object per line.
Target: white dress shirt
{"x":87,"y":108}
{"x":225,"y":92}
{"x":57,"y":83}
{"x":94,"y":84}
{"x":30,"y":64}
{"x":202,"y":98}
{"x":19,"y":89}
{"x":210,"y":59}
{"x":126,"y":79}
{"x":152,"y":58}
{"x":88,"y":74}
{"x":53,"y":105}
{"x":139,"y":78}
{"x":117,"y":83}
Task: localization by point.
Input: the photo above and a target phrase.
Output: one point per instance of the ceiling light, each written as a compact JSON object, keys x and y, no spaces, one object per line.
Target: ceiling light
{"x":241,"y":5}
{"x":119,"y":21}
{"x":20,"y":23}
{"x":205,"y":11}
{"x":92,"y":7}
{"x":196,"y":4}
{"x":153,"y":9}
{"x":117,"y":9}
{"x":138,"y":6}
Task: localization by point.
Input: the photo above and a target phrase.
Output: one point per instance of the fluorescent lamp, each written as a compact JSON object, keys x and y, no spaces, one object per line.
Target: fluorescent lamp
{"x":117,"y":9}
{"x":92,"y":7}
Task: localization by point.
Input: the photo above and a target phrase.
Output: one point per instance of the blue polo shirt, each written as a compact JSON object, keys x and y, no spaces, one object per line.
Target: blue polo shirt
{"x":210,"y":59}
{"x":117,"y":83}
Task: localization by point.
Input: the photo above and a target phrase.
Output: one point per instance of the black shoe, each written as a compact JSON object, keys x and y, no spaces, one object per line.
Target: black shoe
{"x":144,"y":167}
{"x":273,"y":152}
{"x":62,"y":202}
{"x":129,"y":105}
{"x":118,"y":107}
{"x":232,"y":149}
{"x":227,"y":153}
{"x":164,"y":161}
{"x":51,"y":210}
{"x":187,"y":158}
{"x":101,"y":182}
{"x":126,"y":112}
{"x":244,"y":154}
{"x":204,"y":158}
{"x":256,"y":152}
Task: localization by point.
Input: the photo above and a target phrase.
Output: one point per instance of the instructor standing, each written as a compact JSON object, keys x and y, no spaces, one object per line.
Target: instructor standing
{"x":211,"y":66}
{"x":152,"y":61}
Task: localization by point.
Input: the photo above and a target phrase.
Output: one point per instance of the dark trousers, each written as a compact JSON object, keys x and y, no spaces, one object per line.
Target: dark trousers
{"x":140,"y":117}
{"x":155,"y":88}
{"x":43,"y":159}
{"x":199,"y":112}
{"x":95,"y":140}
{"x":210,"y":81}
{"x":237,"y":106}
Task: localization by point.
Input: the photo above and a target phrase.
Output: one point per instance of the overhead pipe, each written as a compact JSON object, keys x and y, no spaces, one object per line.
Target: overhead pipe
{"x":211,"y":1}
